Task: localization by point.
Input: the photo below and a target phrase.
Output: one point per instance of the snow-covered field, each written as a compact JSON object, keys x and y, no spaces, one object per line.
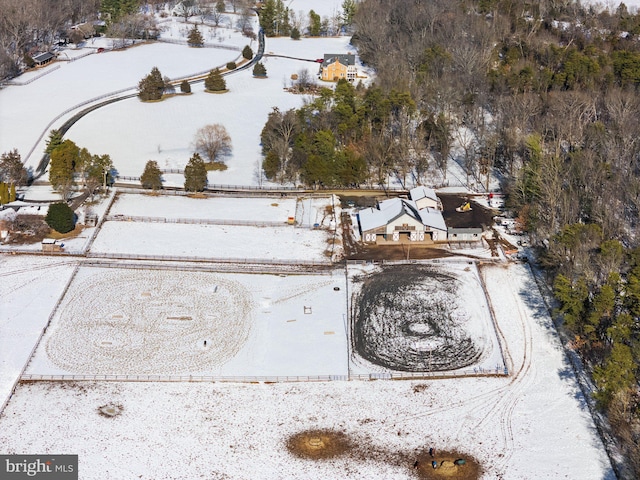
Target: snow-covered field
{"x":531,"y":425}
{"x":156,"y":322}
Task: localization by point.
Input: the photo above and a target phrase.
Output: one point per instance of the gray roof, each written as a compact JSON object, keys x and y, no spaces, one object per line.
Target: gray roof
{"x":43,"y":57}
{"x":388,"y":210}
{"x":344,"y":58}
{"x":423,"y":192}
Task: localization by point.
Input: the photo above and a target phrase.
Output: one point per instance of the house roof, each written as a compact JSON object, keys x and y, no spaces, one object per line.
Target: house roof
{"x":388,"y":210}
{"x":423,"y":192}
{"x":343,"y":58}
{"x":43,"y":57}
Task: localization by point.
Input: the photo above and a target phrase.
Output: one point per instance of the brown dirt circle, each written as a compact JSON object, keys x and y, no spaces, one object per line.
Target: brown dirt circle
{"x":447,"y":469}
{"x":319,"y":444}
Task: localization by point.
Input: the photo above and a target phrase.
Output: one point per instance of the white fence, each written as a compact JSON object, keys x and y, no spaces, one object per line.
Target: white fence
{"x":497,"y":372}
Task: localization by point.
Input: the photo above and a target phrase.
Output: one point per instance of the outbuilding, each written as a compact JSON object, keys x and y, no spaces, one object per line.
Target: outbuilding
{"x":43,"y":58}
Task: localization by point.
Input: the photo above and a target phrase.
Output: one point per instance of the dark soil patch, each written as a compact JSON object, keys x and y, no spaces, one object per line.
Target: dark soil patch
{"x":319,"y":444}
{"x":478,"y":217}
{"x":406,"y":319}
{"x":446,"y":468}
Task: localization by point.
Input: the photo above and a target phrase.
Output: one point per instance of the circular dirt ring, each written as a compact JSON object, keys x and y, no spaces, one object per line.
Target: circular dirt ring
{"x":448,"y":467}
{"x":319,"y":444}
{"x":411,"y":318}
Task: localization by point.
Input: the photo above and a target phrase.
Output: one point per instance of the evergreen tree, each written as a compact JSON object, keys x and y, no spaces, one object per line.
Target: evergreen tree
{"x":60,"y":217}
{"x":220,"y":6}
{"x":152,"y":176}
{"x":152,"y":86}
{"x":615,"y":375}
{"x":195,"y":174}
{"x":295,"y":33}
{"x":572,"y":299}
{"x":54,"y":140}
{"x":63,"y":163}
{"x":215,"y":82}
{"x":185,"y":87}
{"x":259,"y":70}
{"x":12,"y":170}
{"x":247,"y":52}
{"x":231,"y":66}
{"x":315,"y":24}
{"x":4,"y":193}
{"x":195,"y":37}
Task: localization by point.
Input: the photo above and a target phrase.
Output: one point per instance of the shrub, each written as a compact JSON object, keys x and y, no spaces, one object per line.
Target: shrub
{"x":215,"y":82}
{"x":60,"y":217}
{"x":185,"y":87}
{"x":259,"y":70}
{"x":247,"y":52}
{"x":231,"y":66}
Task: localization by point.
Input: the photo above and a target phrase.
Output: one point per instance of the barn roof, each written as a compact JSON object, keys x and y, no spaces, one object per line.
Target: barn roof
{"x":388,"y":210}
{"x":418,"y":193}
{"x":43,"y":57}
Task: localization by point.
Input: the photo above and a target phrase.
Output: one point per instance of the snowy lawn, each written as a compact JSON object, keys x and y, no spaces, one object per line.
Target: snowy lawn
{"x":286,"y":243}
{"x":306,"y":212}
{"x":531,"y":425}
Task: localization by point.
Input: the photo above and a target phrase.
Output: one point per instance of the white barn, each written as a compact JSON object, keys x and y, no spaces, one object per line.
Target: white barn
{"x":398,"y":220}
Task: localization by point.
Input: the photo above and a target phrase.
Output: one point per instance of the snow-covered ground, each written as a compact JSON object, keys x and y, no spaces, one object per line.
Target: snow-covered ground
{"x":533,"y":424}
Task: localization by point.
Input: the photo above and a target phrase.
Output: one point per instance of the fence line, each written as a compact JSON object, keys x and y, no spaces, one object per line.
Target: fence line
{"x":195,"y":221}
{"x":33,"y":79}
{"x":177,"y":41}
{"x":245,"y":261}
{"x":267,"y":378}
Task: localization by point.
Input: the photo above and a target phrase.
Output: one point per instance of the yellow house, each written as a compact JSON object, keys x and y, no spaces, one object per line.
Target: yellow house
{"x":336,"y":66}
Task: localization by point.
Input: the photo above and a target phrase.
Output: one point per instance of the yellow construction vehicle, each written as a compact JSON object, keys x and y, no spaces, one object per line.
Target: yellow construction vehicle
{"x":465,"y":207}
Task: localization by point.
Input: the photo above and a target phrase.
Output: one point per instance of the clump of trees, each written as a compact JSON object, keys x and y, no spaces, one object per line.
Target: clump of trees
{"x":69,"y":163}
{"x":214,"y":142}
{"x":61,"y":217}
{"x":215,"y":82}
{"x":151,"y":177}
{"x":195,"y":174}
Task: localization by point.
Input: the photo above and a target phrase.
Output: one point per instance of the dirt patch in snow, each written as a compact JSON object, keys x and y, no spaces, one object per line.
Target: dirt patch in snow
{"x":450,"y":465}
{"x":408,"y":318}
{"x":319,"y":444}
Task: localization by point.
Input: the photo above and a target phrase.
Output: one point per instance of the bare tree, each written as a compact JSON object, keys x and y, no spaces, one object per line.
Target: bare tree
{"x":213,"y":141}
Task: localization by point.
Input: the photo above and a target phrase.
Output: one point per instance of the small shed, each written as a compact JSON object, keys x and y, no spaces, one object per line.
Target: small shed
{"x":464,"y":234}
{"x":51,"y":245}
{"x":43,"y":58}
